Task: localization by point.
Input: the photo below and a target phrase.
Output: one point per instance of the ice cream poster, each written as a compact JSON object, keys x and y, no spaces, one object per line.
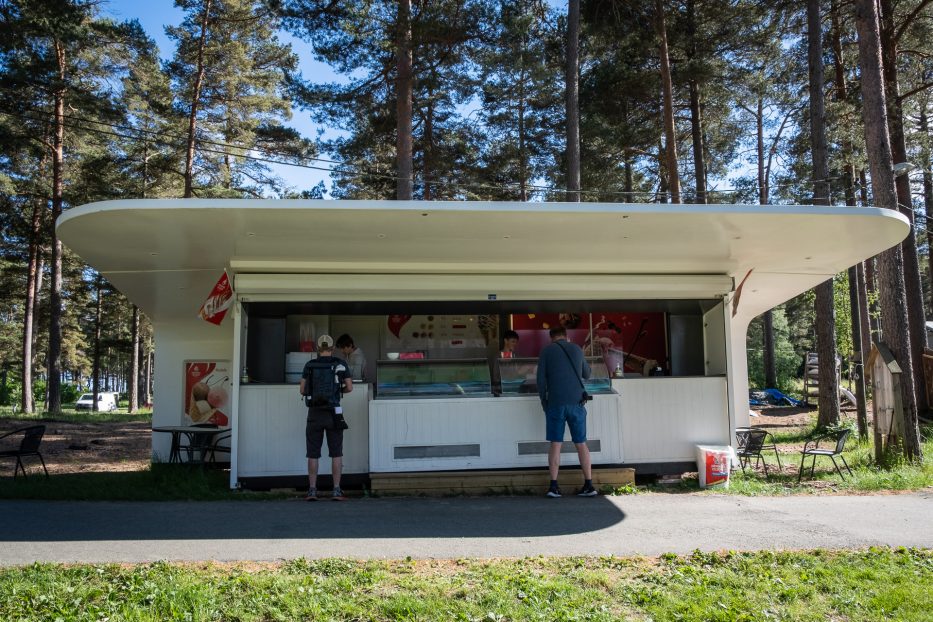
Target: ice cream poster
{"x":207,"y":392}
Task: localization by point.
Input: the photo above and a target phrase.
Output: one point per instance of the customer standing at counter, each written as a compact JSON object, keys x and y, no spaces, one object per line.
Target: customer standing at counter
{"x":353,"y":355}
{"x":325,"y":378}
{"x":561,"y":370}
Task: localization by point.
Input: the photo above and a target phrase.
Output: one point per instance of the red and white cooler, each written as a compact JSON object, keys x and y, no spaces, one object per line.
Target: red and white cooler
{"x":713,"y":465}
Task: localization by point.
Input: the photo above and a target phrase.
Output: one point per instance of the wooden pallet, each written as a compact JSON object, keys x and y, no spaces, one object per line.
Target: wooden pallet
{"x":527,"y":481}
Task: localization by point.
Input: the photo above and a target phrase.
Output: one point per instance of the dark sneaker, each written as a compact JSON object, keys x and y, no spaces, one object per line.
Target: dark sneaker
{"x":554,"y":493}
{"x":338,"y":495}
{"x":587,"y":491}
{"x":312,"y":495}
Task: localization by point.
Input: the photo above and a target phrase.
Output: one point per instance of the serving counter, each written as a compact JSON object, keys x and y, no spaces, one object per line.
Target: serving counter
{"x":271,"y":438}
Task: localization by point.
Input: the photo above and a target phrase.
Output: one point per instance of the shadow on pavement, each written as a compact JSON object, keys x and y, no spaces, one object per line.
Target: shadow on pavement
{"x":464,"y":517}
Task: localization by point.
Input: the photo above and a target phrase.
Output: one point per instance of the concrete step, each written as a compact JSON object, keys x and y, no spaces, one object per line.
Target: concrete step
{"x":525,"y":481}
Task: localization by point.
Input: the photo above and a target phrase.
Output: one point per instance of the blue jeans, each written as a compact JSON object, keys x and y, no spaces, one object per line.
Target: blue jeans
{"x":573,"y":415}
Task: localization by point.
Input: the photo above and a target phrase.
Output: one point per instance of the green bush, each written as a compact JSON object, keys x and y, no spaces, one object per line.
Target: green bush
{"x":70,"y":393}
{"x":10,"y":393}
{"x":786,"y":360}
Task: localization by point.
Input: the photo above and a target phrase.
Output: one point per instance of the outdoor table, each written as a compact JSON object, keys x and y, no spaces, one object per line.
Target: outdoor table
{"x":199,"y":437}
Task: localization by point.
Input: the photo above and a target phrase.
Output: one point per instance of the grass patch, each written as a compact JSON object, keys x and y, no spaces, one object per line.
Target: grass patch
{"x":159,"y":482}
{"x":875,"y":584}
{"x":866,"y":476}
{"x":71,"y":415}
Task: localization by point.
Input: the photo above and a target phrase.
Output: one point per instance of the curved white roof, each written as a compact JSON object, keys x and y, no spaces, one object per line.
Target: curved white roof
{"x":165,"y":255}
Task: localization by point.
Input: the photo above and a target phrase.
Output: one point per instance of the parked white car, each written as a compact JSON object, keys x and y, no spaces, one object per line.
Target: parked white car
{"x":106,"y":402}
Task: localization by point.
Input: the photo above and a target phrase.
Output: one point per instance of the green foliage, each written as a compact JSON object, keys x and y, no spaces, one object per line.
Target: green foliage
{"x":786,"y":360}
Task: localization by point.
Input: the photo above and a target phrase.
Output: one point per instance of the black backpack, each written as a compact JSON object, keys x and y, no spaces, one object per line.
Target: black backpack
{"x":323,"y":385}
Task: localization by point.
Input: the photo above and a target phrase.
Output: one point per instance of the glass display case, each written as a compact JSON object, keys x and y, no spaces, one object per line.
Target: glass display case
{"x":519,"y":376}
{"x":433,"y":378}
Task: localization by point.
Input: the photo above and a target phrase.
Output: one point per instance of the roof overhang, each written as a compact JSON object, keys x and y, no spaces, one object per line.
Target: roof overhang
{"x":165,"y":255}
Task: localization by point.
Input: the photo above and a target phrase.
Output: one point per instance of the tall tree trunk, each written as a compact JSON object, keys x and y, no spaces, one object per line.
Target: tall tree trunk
{"x":134,"y":363}
{"x":522,"y":149}
{"x":696,"y":111}
{"x":147,"y":385}
{"x":767,"y":326}
{"x":858,"y":305}
{"x":572,"y":100}
{"x":54,"y":383}
{"x":95,"y":378}
{"x":667,"y":90}
{"x":428,"y":149}
{"x":891,"y":261}
{"x":403,"y":91}
{"x":927,"y":194}
{"x":195,"y":103}
{"x":825,"y":310}
{"x":871,"y":282}
{"x":29,"y":306}
{"x":913,"y":288}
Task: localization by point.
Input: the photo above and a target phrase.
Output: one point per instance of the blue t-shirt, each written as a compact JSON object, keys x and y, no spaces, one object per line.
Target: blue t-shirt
{"x":559,"y":378}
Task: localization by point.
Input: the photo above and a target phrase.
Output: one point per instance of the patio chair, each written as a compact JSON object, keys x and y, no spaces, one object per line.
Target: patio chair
{"x":812,"y":448}
{"x":751,"y":442}
{"x":28,"y":446}
{"x":216,"y":447}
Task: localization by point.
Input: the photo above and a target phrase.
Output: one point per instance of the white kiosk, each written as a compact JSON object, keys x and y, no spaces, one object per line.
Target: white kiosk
{"x":358,"y":266}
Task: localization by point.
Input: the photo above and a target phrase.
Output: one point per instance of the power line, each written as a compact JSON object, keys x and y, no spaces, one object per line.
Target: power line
{"x":343,"y":168}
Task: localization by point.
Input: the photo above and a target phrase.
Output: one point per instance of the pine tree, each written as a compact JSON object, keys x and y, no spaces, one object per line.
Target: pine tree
{"x":229,"y":73}
{"x":519,"y":100}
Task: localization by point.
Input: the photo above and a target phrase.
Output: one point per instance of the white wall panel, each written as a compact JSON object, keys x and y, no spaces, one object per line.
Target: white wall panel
{"x":497,"y":425}
{"x":272,"y":432}
{"x":663,"y":419}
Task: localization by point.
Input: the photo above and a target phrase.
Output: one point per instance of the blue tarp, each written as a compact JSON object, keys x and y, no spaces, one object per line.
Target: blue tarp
{"x":776,"y":398}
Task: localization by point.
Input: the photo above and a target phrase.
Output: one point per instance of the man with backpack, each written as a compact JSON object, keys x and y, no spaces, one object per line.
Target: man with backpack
{"x":323,"y":381}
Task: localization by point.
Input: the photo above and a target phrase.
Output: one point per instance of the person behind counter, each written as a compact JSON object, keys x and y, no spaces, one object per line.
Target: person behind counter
{"x":353,"y":355}
{"x":509,"y":343}
{"x":324,"y":402}
{"x":561,"y":370}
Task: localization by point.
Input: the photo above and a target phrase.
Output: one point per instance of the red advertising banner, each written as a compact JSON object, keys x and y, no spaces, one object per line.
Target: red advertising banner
{"x":207,"y":392}
{"x":221,"y":297}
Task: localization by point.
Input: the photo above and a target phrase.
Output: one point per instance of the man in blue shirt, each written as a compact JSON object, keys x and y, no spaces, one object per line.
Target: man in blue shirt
{"x":561,"y":370}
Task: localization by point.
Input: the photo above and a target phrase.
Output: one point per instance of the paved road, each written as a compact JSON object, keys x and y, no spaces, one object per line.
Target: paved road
{"x":457,"y":527}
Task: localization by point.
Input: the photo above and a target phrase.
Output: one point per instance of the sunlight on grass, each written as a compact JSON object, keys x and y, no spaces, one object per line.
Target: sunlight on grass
{"x":875,"y":584}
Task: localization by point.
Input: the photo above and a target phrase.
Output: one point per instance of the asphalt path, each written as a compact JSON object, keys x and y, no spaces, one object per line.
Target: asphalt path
{"x":478,"y":527}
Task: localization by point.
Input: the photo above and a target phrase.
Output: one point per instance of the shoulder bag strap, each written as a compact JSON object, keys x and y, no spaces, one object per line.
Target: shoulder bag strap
{"x":572,"y":366}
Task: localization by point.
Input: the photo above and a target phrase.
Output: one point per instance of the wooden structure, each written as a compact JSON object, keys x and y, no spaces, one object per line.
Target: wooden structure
{"x":887,"y":406}
{"x":811,"y":377}
{"x":928,"y":375}
{"x":491,"y":482}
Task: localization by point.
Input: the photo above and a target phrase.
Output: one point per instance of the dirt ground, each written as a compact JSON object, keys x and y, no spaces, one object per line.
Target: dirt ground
{"x":69,"y":447}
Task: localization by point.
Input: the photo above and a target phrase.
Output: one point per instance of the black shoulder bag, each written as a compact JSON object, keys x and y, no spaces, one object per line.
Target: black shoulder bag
{"x":586,"y":397}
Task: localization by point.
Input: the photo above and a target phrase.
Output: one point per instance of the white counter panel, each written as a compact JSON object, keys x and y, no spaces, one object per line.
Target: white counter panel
{"x":272,"y":432}
{"x":479,"y":433}
{"x":663,"y":419}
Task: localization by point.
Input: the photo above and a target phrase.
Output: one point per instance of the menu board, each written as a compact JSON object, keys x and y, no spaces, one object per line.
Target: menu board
{"x":207,"y":388}
{"x":421,"y":333}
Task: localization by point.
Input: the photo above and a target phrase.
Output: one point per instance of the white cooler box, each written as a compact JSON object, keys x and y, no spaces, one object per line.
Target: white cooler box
{"x":713,"y":465}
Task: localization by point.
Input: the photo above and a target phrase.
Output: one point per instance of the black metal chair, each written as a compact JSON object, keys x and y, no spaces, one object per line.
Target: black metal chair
{"x":217,"y":447}
{"x":751,"y":442}
{"x":28,"y":446}
{"x":198,"y":446}
{"x":812,"y":448}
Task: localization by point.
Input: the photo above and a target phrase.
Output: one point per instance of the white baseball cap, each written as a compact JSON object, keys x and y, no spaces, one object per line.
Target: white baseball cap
{"x":325,"y":342}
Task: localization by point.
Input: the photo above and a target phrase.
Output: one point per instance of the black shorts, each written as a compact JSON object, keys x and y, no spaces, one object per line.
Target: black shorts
{"x":320,"y":423}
